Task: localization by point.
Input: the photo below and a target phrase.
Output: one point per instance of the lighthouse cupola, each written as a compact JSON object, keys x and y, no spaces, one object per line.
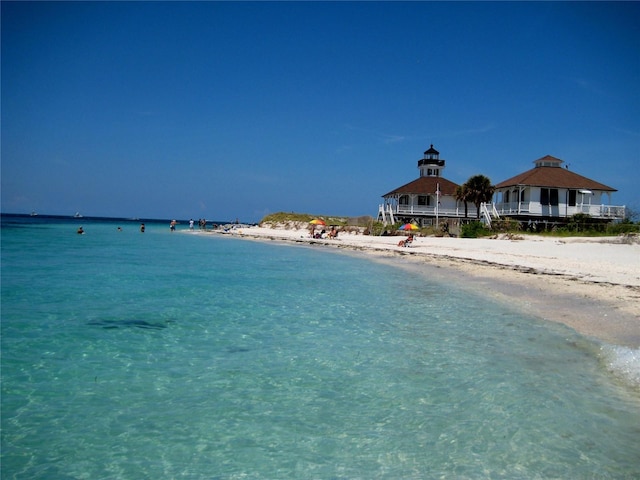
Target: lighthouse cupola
{"x":431,"y":165}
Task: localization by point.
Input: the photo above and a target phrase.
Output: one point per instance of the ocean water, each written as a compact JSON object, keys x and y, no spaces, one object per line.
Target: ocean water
{"x":170,"y":355}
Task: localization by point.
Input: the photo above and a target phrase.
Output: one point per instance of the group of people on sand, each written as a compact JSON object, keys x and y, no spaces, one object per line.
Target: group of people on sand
{"x":333,"y":233}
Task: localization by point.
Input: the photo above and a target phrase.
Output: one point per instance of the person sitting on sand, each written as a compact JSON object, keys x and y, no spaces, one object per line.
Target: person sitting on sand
{"x":333,"y":233}
{"x":406,"y":242}
{"x":409,"y":240}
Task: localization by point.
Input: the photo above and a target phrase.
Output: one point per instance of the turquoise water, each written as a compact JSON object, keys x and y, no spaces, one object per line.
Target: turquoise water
{"x":170,"y":355}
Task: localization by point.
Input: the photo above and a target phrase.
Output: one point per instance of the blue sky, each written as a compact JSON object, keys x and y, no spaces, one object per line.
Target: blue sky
{"x":229,"y":110}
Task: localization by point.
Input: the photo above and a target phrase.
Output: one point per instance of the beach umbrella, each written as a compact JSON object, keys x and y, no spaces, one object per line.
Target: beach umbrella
{"x":317,"y":221}
{"x":409,"y":226}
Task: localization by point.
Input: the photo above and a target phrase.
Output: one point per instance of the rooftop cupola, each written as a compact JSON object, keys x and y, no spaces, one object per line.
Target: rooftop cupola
{"x":548,"y":161}
{"x":431,"y":165}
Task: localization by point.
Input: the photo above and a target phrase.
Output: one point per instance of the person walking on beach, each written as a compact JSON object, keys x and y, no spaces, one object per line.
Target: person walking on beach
{"x":191,"y":224}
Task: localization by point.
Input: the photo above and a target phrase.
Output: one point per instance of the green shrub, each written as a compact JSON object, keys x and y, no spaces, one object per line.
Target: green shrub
{"x":626,"y":226}
{"x":506,"y":225}
{"x":377,"y":228}
{"x":474,"y":230}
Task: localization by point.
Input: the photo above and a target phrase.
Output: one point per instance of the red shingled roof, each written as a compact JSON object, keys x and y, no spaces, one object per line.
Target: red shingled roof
{"x":426,"y":186}
{"x":554,"y":177}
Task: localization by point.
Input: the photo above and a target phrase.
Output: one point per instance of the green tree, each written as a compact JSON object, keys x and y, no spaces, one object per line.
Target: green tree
{"x":479,"y":190}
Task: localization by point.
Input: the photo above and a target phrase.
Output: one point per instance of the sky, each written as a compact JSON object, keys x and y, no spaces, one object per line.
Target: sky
{"x":234,"y":110}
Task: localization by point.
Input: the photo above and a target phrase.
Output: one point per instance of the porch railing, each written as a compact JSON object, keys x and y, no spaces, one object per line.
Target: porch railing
{"x":431,"y":211}
{"x":612,"y":212}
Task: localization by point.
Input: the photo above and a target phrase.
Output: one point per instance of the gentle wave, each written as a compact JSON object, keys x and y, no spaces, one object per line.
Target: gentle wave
{"x":624,"y":362}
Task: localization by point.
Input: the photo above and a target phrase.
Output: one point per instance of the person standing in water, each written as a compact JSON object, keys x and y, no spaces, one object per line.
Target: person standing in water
{"x":142,"y":228}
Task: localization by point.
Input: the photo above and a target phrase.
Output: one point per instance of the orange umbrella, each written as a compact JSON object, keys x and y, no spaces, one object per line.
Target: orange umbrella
{"x":317,"y":221}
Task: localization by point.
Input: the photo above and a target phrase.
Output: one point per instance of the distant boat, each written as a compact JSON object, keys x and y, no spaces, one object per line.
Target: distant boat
{"x":77,"y":215}
{"x":34,"y":214}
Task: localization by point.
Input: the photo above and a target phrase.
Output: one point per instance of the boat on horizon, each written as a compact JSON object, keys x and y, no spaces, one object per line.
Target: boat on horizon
{"x":77,"y":215}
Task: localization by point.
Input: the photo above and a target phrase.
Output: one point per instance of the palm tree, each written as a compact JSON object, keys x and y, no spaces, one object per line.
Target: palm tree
{"x":462,"y":195}
{"x":479,"y":190}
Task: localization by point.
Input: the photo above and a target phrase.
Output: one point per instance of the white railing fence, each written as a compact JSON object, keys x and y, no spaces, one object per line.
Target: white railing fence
{"x":490,"y":211}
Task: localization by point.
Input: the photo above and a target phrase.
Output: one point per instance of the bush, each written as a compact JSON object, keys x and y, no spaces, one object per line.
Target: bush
{"x":581,"y":222}
{"x":626,"y":226}
{"x":506,"y":225}
{"x":377,"y":228}
{"x":474,"y":230}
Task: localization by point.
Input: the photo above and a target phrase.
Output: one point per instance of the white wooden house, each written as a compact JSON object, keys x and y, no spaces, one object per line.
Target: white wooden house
{"x":426,"y":200}
{"x":549,"y":192}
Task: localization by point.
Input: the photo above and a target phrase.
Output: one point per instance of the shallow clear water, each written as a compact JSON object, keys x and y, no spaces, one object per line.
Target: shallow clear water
{"x":169,"y":355}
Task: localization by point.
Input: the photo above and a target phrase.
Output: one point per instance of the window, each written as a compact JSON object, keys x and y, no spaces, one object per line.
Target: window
{"x":422,"y":200}
{"x":572,"y":198}
{"x":404,"y":200}
{"x":549,"y":196}
{"x":506,"y":196}
{"x":544,"y":196}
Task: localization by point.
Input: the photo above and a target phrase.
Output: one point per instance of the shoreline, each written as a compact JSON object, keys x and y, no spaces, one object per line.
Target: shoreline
{"x":591,"y":285}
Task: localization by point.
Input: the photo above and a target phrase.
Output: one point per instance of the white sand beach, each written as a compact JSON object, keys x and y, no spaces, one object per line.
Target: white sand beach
{"x":589,"y":284}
